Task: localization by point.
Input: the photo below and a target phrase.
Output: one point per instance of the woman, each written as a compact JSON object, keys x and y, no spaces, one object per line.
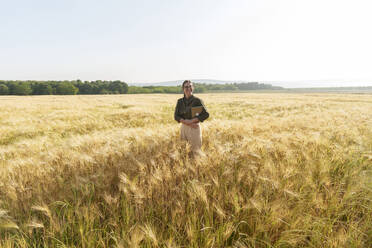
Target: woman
{"x":186,"y":107}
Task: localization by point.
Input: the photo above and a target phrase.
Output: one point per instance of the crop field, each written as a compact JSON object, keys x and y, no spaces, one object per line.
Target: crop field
{"x":277,"y":170}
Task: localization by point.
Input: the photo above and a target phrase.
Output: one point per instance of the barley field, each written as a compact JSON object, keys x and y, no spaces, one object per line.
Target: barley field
{"x":278,"y":170}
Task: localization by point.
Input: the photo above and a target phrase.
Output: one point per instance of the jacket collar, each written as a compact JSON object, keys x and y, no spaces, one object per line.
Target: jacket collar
{"x":188,"y":99}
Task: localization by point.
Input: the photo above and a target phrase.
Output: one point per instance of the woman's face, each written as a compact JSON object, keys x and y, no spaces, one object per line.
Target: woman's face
{"x":187,"y":89}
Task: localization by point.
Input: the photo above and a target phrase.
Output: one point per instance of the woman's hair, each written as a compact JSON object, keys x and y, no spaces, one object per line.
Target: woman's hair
{"x":185,"y":82}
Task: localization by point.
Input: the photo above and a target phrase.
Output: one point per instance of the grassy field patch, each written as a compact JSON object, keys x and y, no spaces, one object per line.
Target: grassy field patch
{"x":279,"y":170}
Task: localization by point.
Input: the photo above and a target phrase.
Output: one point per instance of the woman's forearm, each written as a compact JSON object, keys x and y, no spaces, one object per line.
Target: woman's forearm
{"x":189,"y":122}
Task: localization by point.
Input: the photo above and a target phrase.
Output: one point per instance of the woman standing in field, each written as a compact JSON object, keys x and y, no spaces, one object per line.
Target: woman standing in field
{"x":190,"y":111}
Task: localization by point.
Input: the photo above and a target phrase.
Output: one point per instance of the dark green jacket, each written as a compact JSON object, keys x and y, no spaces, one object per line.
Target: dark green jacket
{"x":183,"y":109}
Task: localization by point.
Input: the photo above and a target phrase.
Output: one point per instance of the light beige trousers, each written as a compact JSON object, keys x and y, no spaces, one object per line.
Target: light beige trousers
{"x":193,"y":136}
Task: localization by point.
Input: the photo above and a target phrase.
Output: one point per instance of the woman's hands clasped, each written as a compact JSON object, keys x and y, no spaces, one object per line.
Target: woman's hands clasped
{"x":194,"y":123}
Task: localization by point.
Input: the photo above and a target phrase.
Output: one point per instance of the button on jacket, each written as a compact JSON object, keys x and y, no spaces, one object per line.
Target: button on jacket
{"x":183,"y":109}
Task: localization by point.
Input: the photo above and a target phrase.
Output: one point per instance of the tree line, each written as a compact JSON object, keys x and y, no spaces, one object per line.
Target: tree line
{"x":62,"y":87}
{"x":203,"y":88}
{"x":236,"y":87}
{"x":114,"y":87}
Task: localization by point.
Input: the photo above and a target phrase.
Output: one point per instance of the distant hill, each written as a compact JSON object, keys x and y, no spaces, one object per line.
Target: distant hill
{"x":179,"y":82}
{"x":306,"y":84}
{"x":362,"y":89}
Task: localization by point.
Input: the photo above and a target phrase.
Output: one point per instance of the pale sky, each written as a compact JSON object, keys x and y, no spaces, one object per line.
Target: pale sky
{"x":151,"y":41}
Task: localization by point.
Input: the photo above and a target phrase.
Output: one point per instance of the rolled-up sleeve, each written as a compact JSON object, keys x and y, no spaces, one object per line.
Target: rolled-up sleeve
{"x":204,"y":114}
{"x":177,"y":116}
